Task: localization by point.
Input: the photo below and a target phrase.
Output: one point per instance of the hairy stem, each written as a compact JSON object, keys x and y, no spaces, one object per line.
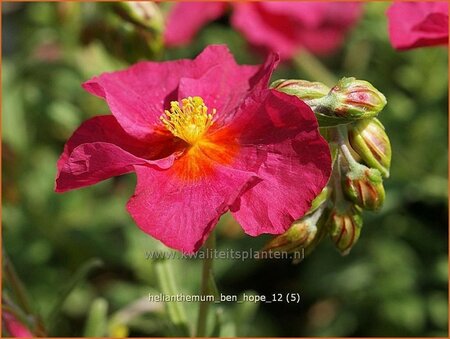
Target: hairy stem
{"x":343,"y":148}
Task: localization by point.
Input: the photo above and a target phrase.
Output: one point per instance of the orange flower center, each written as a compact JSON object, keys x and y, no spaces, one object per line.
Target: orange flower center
{"x":189,"y":122}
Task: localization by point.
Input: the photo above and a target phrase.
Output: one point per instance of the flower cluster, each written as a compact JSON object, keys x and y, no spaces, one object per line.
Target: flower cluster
{"x":361,"y":160}
{"x":208,"y":136}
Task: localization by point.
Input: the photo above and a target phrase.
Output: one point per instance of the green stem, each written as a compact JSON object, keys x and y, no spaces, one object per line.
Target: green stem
{"x":16,"y":284}
{"x":336,"y":179}
{"x":310,"y":65}
{"x":21,"y":294}
{"x":338,"y":135}
{"x":209,"y":247}
{"x":168,"y":286}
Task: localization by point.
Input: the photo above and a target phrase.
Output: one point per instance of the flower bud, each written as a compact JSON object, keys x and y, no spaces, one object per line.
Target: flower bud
{"x":370,"y":141}
{"x":349,"y":100}
{"x":344,"y":225}
{"x":319,"y":200}
{"x":302,"y":89}
{"x":365,"y":188}
{"x":299,"y":235}
{"x":357,"y":99}
{"x":304,"y":234}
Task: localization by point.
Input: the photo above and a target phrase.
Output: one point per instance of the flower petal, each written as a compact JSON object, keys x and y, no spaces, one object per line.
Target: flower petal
{"x":286,"y":27}
{"x":100,"y":128}
{"x":323,"y":41}
{"x":100,"y":149}
{"x":264,"y":30}
{"x":225,"y":86}
{"x":187,"y":18}
{"x":418,"y":24}
{"x":181,"y":213}
{"x":139,"y":95}
{"x":335,"y":20}
{"x":309,"y":14}
{"x":15,"y":327}
{"x":96,"y":161}
{"x":280,"y":132}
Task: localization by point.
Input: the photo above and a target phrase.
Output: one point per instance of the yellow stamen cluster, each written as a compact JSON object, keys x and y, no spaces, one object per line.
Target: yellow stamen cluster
{"x":190,"y":121}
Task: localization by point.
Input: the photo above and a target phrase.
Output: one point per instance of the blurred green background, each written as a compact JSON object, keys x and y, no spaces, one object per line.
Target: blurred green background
{"x":393,"y":283}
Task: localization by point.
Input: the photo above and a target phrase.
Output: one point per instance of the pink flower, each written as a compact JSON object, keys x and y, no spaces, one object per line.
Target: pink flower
{"x":418,"y":24}
{"x":204,"y":136}
{"x":14,"y":327}
{"x":281,"y":27}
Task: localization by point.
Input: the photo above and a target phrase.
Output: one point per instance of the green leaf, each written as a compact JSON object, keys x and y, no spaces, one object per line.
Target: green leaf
{"x":97,"y":319}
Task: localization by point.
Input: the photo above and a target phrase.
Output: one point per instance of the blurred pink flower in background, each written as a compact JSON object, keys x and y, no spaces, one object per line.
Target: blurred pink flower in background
{"x":281,"y":27}
{"x":418,"y":24}
{"x":14,"y":327}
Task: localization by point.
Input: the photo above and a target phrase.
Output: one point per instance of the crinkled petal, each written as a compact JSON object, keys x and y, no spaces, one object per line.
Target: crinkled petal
{"x":418,"y":24}
{"x":225,"y":86}
{"x":100,"y":149}
{"x":182,"y":213}
{"x":93,"y":162}
{"x":269,"y":116}
{"x":281,"y":133}
{"x":101,"y":128}
{"x":220,"y":88}
{"x":187,"y":18}
{"x":290,"y":182}
{"x":139,"y":95}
